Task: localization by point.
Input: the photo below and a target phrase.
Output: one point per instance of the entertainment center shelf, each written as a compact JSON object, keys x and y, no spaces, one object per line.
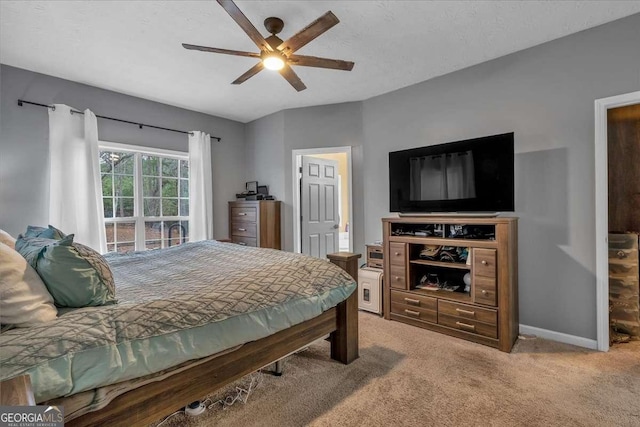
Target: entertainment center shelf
{"x":459,"y":265}
{"x":455,"y":275}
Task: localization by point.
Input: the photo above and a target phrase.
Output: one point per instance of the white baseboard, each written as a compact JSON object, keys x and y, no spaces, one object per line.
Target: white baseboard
{"x":559,"y":336}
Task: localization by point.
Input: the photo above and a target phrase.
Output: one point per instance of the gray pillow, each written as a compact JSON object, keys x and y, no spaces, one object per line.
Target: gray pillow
{"x":75,"y":275}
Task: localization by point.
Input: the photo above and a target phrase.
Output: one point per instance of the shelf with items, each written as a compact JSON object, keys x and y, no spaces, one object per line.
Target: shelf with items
{"x":441,"y":282}
{"x":458,"y":265}
{"x":445,"y":230}
{"x":451,"y":256}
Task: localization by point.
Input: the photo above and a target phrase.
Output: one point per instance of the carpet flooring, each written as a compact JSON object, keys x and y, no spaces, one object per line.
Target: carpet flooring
{"x":407,"y":376}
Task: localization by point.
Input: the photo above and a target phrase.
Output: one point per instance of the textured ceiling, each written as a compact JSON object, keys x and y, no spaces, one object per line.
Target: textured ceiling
{"x":134,"y":47}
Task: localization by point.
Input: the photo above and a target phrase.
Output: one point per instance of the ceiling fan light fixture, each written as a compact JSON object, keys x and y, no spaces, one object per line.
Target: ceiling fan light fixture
{"x":273,"y":61}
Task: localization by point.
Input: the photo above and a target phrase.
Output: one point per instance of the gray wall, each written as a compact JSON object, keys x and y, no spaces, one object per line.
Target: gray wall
{"x":546,"y":96}
{"x":24,"y":137}
{"x":271,"y":139}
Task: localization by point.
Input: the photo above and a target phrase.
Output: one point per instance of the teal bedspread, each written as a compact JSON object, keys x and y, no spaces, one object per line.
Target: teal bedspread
{"x":175,"y":305}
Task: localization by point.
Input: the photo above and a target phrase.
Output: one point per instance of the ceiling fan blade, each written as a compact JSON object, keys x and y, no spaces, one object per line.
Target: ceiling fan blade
{"x":217,"y":50}
{"x":244,"y":23}
{"x":250,"y":73}
{"x":314,"y":61}
{"x":308,"y":33}
{"x":290,"y":75}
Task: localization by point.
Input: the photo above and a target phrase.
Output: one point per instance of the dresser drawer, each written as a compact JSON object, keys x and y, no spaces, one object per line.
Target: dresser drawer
{"x":244,"y":229}
{"x":467,"y":312}
{"x":414,"y":300}
{"x":397,"y":278}
{"x":467,"y":325}
{"x":397,"y":253}
{"x":414,"y":312}
{"x":484,"y":262}
{"x":244,"y":241}
{"x":484,"y":291}
{"x":243,"y":214}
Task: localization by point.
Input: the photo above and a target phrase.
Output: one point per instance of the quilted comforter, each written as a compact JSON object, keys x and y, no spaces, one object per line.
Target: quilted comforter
{"x":176,"y":304}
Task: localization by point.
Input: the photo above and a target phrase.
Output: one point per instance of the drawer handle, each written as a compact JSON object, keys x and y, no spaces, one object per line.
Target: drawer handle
{"x":242,"y":229}
{"x":484,"y":292}
{"x":397,"y":253}
{"x":470,"y":313}
{"x":621,"y":254}
{"x":412,"y":301}
{"x":242,"y":214}
{"x":397,"y":278}
{"x":242,"y":243}
{"x":466,"y":325}
{"x":484,"y":262}
{"x":412,"y":313}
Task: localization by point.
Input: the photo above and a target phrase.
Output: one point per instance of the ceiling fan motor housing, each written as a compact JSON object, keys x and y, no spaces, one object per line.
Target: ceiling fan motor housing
{"x":273,"y":25}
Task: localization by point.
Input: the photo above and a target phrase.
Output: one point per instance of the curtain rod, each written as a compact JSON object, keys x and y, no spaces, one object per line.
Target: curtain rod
{"x":140,"y":125}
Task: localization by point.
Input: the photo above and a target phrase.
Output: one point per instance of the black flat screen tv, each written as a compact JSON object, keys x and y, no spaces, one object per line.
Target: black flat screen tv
{"x":474,"y":175}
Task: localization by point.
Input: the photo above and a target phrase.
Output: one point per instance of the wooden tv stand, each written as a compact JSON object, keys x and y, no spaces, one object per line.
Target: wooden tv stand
{"x":488,"y":312}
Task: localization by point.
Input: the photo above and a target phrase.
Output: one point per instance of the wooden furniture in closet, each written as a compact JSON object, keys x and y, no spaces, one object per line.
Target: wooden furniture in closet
{"x":255,"y":223}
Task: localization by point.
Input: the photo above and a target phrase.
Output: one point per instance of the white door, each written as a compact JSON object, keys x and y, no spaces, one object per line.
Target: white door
{"x":320,"y":222}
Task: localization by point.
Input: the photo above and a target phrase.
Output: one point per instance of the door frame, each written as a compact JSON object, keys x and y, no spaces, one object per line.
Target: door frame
{"x":602,"y":210}
{"x":296,"y":162}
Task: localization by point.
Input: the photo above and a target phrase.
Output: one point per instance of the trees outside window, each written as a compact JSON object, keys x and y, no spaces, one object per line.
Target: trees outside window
{"x":145,"y":197}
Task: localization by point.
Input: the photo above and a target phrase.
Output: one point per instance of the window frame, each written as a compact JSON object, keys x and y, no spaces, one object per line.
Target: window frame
{"x":138,"y":206}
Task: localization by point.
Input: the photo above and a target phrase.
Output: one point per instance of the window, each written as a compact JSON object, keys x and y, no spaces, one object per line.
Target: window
{"x":145,"y":195}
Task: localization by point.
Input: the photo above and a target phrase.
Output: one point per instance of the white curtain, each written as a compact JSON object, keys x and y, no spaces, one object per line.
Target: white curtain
{"x":200,"y":187}
{"x":75,"y":185}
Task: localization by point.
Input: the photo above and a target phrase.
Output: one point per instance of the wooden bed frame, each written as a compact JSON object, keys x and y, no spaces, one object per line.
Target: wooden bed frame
{"x":151,"y":402}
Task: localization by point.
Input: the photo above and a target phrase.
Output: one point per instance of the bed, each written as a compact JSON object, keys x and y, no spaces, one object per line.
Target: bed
{"x":190,"y":319}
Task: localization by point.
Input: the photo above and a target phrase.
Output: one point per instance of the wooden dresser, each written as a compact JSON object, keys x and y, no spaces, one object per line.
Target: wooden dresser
{"x":255,"y":223}
{"x":475,"y":256}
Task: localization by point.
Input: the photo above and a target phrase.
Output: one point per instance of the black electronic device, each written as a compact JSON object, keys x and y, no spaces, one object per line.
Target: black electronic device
{"x":475,"y":175}
{"x":251,"y":187}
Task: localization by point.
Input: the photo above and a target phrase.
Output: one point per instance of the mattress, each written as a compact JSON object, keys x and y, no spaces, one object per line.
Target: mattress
{"x":177,"y":304}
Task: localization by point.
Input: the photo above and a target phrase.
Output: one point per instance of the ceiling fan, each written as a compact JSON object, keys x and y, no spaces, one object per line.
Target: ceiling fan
{"x":276,"y":54}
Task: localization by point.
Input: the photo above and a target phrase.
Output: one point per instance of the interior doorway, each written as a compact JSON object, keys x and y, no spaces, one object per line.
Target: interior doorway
{"x":322,"y":201}
{"x":603,"y":114}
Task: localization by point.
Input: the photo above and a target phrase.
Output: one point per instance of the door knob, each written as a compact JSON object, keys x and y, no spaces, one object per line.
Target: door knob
{"x":336,"y":226}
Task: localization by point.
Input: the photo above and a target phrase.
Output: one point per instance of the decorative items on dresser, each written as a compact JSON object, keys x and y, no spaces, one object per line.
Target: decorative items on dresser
{"x":454,"y":275}
{"x":255,"y":223}
{"x":624,"y":288}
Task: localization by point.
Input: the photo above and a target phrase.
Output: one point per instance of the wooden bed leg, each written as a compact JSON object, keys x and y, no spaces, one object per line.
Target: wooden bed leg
{"x":344,"y":340}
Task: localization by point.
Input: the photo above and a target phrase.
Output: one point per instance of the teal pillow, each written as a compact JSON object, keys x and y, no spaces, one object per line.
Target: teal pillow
{"x":75,"y":275}
{"x":48,"y":233}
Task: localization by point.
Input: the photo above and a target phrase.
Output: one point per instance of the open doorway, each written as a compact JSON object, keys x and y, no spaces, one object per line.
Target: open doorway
{"x":322,"y":200}
{"x":617,"y":204}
